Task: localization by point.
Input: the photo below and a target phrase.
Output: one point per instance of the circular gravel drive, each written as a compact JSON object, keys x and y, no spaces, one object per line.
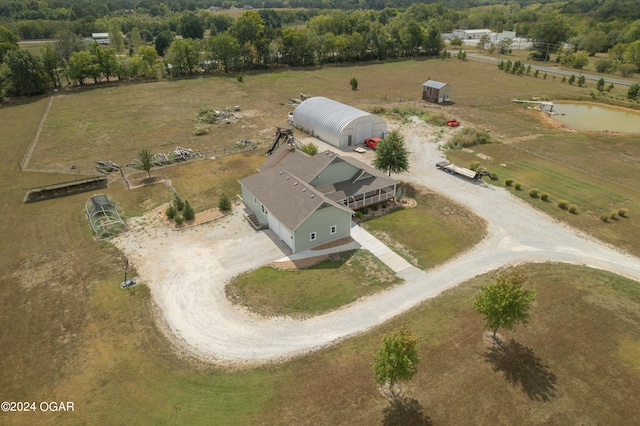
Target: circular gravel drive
{"x":187,"y":270}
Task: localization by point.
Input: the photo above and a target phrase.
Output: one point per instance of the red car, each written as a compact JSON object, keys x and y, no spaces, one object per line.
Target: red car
{"x":372,"y":142}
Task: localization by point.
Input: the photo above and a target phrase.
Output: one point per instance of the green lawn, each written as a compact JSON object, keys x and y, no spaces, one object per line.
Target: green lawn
{"x":324,"y":287}
{"x":430,"y":233}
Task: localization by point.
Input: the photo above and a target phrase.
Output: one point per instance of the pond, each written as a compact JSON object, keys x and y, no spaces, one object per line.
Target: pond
{"x":598,"y":118}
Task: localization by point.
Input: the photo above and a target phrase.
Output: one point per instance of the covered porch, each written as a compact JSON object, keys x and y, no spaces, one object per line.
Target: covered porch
{"x":369,"y":198}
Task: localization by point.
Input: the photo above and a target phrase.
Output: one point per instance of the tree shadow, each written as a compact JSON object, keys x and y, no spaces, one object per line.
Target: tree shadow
{"x":405,"y":412}
{"x":521,"y":366}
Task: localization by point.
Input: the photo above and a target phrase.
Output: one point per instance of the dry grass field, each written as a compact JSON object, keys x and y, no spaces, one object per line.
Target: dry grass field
{"x":70,"y":334}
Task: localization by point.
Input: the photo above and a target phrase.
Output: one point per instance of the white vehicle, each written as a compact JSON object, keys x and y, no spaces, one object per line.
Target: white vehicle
{"x":128,"y":283}
{"x":290,"y":118}
{"x":360,"y":150}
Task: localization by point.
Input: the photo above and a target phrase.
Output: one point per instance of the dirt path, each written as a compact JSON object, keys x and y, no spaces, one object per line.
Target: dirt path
{"x":187,"y":270}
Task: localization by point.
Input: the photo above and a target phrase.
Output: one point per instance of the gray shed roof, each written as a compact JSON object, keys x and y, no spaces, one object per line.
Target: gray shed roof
{"x":434,"y":84}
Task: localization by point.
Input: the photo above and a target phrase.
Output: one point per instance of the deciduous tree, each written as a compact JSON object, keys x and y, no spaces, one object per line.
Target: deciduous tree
{"x":223,"y":48}
{"x":24,"y":73}
{"x":392,"y":154}
{"x":145,"y":159}
{"x":397,"y":359}
{"x":505,"y":302}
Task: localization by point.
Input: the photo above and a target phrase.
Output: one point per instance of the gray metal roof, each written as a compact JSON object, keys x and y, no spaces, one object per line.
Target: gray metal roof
{"x":434,"y":84}
{"x":319,"y":112}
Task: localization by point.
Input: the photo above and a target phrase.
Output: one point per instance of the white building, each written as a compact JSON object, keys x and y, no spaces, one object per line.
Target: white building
{"x":337,"y":124}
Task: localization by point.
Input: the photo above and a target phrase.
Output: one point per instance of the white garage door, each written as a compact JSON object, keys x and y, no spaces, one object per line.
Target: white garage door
{"x":282,"y":232}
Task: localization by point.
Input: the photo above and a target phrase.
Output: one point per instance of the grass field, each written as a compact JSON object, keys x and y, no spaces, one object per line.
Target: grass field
{"x":69,"y":334}
{"x":333,"y":283}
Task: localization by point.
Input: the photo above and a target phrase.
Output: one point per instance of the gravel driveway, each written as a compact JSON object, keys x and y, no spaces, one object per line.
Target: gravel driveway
{"x":187,"y":270}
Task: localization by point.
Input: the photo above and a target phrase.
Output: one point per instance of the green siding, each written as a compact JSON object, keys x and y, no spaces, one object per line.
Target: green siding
{"x":337,"y":171}
{"x":320,"y":222}
{"x":254,"y":206}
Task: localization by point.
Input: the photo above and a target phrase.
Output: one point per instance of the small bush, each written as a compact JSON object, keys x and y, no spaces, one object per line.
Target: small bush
{"x":171,"y":212}
{"x":179,"y":219}
{"x":188,"y":212}
{"x":573,"y":209}
{"x":474,"y":165}
{"x":508,"y":182}
{"x":604,"y":217}
{"x":517,"y":186}
{"x":354,"y":83}
{"x":623,"y":212}
{"x":365,"y":210}
{"x":563,"y":204}
{"x":201,"y":130}
{"x":534,"y":193}
{"x":544,"y":196}
{"x":494,"y":176}
{"x":359,"y":215}
{"x":375,"y":207}
{"x":385,"y":205}
{"x":613,"y":215}
{"x":224,"y":204}
{"x":178,"y":202}
{"x":310,"y":148}
{"x":240,"y":78}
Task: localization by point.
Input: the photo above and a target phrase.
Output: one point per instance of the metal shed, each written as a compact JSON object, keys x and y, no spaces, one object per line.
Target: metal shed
{"x":337,"y":124}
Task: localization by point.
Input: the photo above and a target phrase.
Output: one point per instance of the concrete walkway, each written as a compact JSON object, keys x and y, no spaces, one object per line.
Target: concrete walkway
{"x":381,"y":251}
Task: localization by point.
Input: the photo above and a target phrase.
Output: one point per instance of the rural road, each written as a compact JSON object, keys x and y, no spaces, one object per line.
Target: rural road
{"x":608,"y":79}
{"x":187,"y":270}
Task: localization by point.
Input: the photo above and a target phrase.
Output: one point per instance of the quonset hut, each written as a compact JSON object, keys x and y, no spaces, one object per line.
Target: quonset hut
{"x":337,"y":124}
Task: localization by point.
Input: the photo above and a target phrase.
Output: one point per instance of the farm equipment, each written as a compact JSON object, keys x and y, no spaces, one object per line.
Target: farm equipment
{"x":283,"y":135}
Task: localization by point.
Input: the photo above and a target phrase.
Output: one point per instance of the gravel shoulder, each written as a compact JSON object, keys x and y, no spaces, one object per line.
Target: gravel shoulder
{"x":187,"y":270}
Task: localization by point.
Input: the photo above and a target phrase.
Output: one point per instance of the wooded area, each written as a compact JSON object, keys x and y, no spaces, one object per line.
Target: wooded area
{"x":150,"y":39}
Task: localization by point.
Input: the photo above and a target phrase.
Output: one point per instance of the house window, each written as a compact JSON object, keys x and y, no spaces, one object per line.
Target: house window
{"x":334,"y":229}
{"x":312,"y":236}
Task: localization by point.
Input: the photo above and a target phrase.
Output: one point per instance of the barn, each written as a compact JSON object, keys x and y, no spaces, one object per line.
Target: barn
{"x":434,"y":91}
{"x":337,"y":124}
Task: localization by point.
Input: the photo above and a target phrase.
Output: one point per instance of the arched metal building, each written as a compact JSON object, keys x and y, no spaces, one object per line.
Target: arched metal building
{"x":337,"y":124}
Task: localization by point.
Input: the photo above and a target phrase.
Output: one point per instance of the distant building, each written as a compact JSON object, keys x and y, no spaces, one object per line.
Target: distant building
{"x":434,"y":91}
{"x":101,"y":38}
{"x":471,"y":34}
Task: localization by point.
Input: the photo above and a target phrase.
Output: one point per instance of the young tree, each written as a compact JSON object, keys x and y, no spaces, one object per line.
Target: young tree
{"x":145,"y":159}
{"x":392,"y":154}
{"x":354,"y":83}
{"x":455,"y":42}
{"x":310,"y":148}
{"x":188,"y":212}
{"x":506,"y":302}
{"x":224,"y":204}
{"x":397,"y":359}
{"x":600,"y":85}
